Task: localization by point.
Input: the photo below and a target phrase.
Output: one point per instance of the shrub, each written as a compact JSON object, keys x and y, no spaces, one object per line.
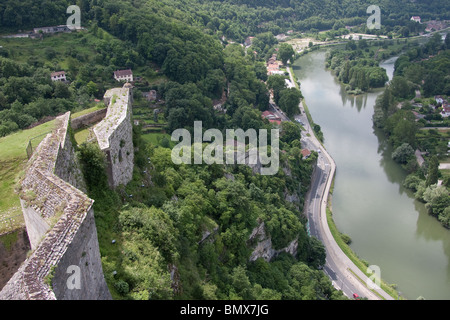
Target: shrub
{"x":122,"y":287}
{"x":93,"y":165}
{"x":346,"y":238}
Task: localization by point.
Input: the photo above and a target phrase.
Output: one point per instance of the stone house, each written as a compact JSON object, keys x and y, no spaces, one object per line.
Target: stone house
{"x":52,"y":29}
{"x":123,"y":75}
{"x":58,"y":76}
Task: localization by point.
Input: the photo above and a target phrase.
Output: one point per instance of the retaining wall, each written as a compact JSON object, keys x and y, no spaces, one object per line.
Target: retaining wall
{"x":61,"y":227}
{"x":115,"y":135}
{"x":88,"y":119}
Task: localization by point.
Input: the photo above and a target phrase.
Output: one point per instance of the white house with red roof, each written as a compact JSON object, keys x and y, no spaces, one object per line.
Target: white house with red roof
{"x":58,"y":76}
{"x":124,"y":75}
{"x":445,"y":110}
{"x":305,"y":153}
{"x":439,"y":99}
{"x":273,"y":66}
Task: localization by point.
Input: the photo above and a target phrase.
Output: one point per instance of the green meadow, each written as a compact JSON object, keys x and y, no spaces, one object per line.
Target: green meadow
{"x":13,"y":158}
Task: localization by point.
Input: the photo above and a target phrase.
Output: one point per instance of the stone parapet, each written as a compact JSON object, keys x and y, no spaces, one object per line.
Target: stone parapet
{"x":88,"y":119}
{"x":51,"y":199}
{"x":115,"y":135}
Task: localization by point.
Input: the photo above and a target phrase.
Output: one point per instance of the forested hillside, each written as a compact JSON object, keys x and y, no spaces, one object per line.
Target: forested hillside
{"x":179,"y":37}
{"x":178,"y":231}
{"x":406,"y":110}
{"x":235,"y":19}
{"x":27,"y":93}
{"x":195,"y":222}
{"x":175,"y":231}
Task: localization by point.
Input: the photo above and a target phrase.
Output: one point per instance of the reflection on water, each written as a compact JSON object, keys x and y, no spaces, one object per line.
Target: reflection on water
{"x":359,"y":101}
{"x":388,"y":227}
{"x":393,"y":171}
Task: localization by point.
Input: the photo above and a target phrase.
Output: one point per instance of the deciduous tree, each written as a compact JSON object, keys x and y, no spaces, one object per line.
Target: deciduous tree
{"x":286,"y":53}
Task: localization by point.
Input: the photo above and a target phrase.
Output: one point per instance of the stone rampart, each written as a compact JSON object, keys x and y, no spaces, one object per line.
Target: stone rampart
{"x":88,"y":119}
{"x":60,"y":224}
{"x":115,"y":135}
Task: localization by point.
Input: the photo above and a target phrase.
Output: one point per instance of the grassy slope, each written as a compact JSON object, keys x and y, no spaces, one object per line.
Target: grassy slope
{"x":22,"y":49}
{"x":13,"y":155}
{"x":13,"y":158}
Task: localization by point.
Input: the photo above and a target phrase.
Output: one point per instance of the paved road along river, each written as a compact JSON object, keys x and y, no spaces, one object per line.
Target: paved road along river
{"x":387,"y":226}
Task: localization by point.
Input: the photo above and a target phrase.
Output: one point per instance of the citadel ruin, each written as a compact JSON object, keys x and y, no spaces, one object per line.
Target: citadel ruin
{"x":59,"y":216}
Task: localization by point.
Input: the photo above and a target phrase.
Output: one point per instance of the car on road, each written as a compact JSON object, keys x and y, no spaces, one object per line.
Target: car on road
{"x":355,"y":296}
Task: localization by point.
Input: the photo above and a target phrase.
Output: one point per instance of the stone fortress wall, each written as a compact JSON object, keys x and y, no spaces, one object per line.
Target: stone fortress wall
{"x":88,"y":119}
{"x":65,"y":262}
{"x":115,"y":135}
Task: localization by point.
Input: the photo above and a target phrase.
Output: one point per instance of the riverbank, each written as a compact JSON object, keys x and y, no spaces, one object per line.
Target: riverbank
{"x":356,"y":66}
{"x":388,"y":227}
{"x":361,"y":276}
{"x":360,"y":263}
{"x":337,"y":235}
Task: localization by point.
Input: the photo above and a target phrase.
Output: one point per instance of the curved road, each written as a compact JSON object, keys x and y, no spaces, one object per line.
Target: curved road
{"x":338,"y":266}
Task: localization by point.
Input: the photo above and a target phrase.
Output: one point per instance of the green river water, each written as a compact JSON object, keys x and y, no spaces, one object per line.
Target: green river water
{"x":388,"y":227}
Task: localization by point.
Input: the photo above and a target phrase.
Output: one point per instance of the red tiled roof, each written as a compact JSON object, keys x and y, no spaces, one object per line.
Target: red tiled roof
{"x":275,"y":121}
{"x":123,"y":73}
{"x":58,"y":73}
{"x":306,"y":152}
{"x":271,"y":117}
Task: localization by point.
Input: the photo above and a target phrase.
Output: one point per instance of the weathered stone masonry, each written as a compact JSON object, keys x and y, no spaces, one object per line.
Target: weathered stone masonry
{"x":58,"y":214}
{"x":60,"y":224}
{"x":115,"y":135}
{"x":86,"y":120}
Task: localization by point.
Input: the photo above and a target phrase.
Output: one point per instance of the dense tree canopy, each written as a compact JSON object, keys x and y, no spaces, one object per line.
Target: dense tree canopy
{"x":357,"y":68}
{"x":195,"y":222}
{"x":420,"y":70}
{"x":286,"y":53}
{"x":289,"y":101}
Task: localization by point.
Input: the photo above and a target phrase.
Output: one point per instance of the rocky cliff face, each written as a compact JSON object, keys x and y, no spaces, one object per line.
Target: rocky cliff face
{"x":264,"y":248}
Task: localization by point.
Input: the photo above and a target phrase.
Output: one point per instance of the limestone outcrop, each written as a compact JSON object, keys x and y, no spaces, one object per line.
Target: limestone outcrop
{"x":264,"y":248}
